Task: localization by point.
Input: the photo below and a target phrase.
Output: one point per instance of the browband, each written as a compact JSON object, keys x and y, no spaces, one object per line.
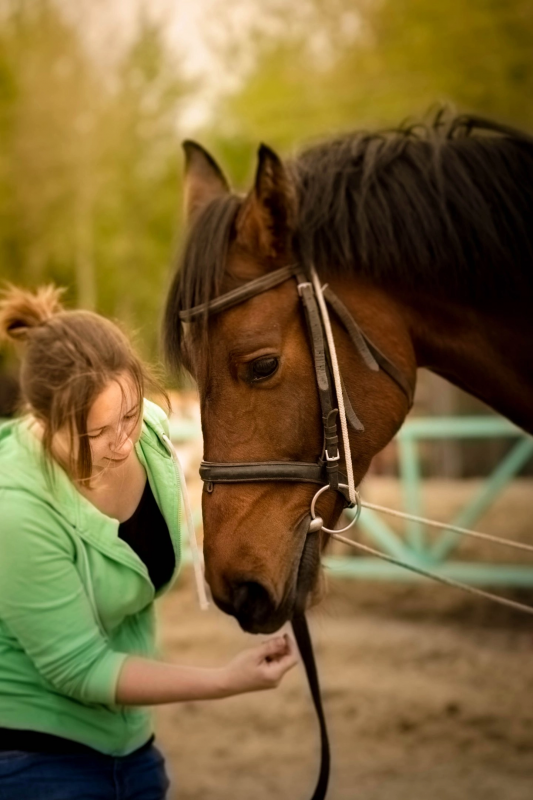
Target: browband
{"x":239,"y":295}
{"x":370,"y":353}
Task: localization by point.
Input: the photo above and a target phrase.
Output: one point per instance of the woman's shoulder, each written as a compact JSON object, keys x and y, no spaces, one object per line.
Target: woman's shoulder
{"x":26,"y":480}
{"x":155,"y":417}
{"x":15,"y":450}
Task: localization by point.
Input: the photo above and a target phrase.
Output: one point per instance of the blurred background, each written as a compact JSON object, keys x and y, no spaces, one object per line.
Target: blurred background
{"x":428,"y":692}
{"x":96,"y":96}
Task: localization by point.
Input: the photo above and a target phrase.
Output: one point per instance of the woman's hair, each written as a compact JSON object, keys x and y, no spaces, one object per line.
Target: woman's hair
{"x":69,"y":357}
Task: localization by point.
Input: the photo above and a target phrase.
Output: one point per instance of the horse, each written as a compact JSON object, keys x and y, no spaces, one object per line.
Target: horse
{"x":423,"y":234}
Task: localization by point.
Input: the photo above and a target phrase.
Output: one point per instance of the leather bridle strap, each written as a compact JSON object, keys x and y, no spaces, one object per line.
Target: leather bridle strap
{"x":240,"y":294}
{"x":371,"y":354}
{"x":212,"y":472}
{"x":324,"y":382}
{"x":236,"y":472}
{"x":305,"y":646}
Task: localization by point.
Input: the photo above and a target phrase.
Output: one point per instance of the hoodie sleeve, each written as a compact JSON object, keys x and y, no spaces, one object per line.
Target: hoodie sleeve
{"x":45,"y":607}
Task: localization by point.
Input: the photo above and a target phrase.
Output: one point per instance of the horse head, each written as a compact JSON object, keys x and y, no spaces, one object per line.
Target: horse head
{"x":254,"y":367}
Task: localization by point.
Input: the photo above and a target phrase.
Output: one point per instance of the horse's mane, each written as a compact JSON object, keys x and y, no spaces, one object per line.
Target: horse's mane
{"x":444,"y":208}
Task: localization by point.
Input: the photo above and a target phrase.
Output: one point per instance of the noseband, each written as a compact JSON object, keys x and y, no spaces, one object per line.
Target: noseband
{"x":325,"y":471}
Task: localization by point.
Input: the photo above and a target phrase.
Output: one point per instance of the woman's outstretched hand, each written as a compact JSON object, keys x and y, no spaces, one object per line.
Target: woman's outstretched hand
{"x":144,"y":681}
{"x":261,"y":667}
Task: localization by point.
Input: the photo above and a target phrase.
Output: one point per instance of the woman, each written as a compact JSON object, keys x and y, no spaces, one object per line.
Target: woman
{"x":89,"y":535}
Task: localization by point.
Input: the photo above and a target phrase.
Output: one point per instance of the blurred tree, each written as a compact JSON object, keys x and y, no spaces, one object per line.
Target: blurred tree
{"x":88,"y":165}
{"x":137,"y":209}
{"x":89,"y":156}
{"x":361,"y":64}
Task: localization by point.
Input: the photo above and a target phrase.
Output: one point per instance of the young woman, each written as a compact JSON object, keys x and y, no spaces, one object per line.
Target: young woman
{"x":89,"y":536}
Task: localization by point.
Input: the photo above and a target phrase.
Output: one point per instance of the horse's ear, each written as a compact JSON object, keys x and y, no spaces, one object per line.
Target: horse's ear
{"x":204,"y":180}
{"x":267,"y":218}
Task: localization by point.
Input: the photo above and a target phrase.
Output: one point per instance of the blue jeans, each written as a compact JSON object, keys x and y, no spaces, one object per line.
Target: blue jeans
{"x":44,"y":776}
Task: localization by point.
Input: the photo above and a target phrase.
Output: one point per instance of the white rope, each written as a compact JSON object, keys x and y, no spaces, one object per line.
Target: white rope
{"x":338,"y":384}
{"x":446,"y":526}
{"x":197,"y":559}
{"x":504,"y":601}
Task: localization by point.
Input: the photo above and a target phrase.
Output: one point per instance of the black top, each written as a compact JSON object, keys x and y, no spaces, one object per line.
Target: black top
{"x":147,"y":534}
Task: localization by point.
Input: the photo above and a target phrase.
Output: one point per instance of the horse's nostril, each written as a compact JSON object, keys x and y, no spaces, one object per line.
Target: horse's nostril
{"x":251,"y":601}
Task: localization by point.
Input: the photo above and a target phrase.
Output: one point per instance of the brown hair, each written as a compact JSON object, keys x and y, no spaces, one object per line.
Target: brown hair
{"x":69,"y":358}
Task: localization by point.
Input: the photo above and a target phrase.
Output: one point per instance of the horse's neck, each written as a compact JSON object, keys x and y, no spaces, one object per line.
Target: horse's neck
{"x":488,"y":354}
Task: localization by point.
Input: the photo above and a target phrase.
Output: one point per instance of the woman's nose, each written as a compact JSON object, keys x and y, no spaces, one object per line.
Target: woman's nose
{"x":123,"y":446}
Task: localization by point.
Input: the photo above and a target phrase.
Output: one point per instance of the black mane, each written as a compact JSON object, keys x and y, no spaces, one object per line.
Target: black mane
{"x":444,"y":208}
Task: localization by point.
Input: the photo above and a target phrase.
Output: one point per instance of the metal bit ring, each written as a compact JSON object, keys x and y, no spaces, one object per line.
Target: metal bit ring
{"x":356,"y":514}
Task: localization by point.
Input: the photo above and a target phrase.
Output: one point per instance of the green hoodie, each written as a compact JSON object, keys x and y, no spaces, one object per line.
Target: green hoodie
{"x":75,"y":600}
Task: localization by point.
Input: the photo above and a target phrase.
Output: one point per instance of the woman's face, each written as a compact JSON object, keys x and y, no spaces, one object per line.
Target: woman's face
{"x":114,"y":425}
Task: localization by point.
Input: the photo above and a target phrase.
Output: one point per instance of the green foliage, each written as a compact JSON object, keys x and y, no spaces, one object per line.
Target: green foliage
{"x":88,"y":167}
{"x":90,"y":164}
{"x":366,"y":64}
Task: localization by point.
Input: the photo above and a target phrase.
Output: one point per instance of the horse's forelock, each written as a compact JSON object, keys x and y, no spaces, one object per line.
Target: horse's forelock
{"x":200,"y":271}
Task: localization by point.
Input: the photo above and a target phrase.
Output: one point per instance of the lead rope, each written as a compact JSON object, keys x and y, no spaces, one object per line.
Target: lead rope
{"x":447,"y":527}
{"x":504,"y":601}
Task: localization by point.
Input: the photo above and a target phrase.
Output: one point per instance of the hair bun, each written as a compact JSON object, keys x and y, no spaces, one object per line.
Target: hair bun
{"x":21,"y":310}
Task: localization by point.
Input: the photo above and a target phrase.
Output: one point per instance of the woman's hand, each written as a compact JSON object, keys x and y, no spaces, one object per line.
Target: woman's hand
{"x":261,"y":667}
{"x":143,"y":681}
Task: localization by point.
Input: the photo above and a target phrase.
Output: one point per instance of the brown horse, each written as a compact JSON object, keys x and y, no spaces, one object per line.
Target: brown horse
{"x":426,"y":236}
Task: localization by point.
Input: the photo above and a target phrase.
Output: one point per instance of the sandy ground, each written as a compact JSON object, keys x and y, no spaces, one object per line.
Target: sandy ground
{"x":428,"y":692}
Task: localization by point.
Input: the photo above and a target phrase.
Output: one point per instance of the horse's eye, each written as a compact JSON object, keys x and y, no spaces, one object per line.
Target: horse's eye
{"x":264,"y":368}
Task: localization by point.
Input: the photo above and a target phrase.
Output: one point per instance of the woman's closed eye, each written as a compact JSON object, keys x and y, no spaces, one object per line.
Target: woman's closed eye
{"x":128,"y":417}
{"x":95,"y":435}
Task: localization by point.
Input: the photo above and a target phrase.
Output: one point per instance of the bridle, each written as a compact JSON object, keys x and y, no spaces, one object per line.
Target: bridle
{"x":326,"y":470}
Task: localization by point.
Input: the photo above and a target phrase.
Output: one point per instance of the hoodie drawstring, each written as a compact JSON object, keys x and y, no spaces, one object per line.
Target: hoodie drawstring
{"x":197,"y":558}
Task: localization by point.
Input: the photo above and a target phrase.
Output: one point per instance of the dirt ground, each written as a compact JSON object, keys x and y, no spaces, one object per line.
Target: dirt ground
{"x":428,"y":692}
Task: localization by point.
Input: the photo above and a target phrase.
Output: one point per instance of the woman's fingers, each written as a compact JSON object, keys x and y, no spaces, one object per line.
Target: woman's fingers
{"x":261,"y":667}
{"x":279,"y":655}
{"x":274,"y":648}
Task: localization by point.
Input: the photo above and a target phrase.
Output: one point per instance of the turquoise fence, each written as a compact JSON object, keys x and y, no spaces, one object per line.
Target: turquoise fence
{"x":435,"y":551}
{"x":414,"y":545}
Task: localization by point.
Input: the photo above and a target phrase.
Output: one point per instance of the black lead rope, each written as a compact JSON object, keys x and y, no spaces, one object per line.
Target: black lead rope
{"x":305,"y":646}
